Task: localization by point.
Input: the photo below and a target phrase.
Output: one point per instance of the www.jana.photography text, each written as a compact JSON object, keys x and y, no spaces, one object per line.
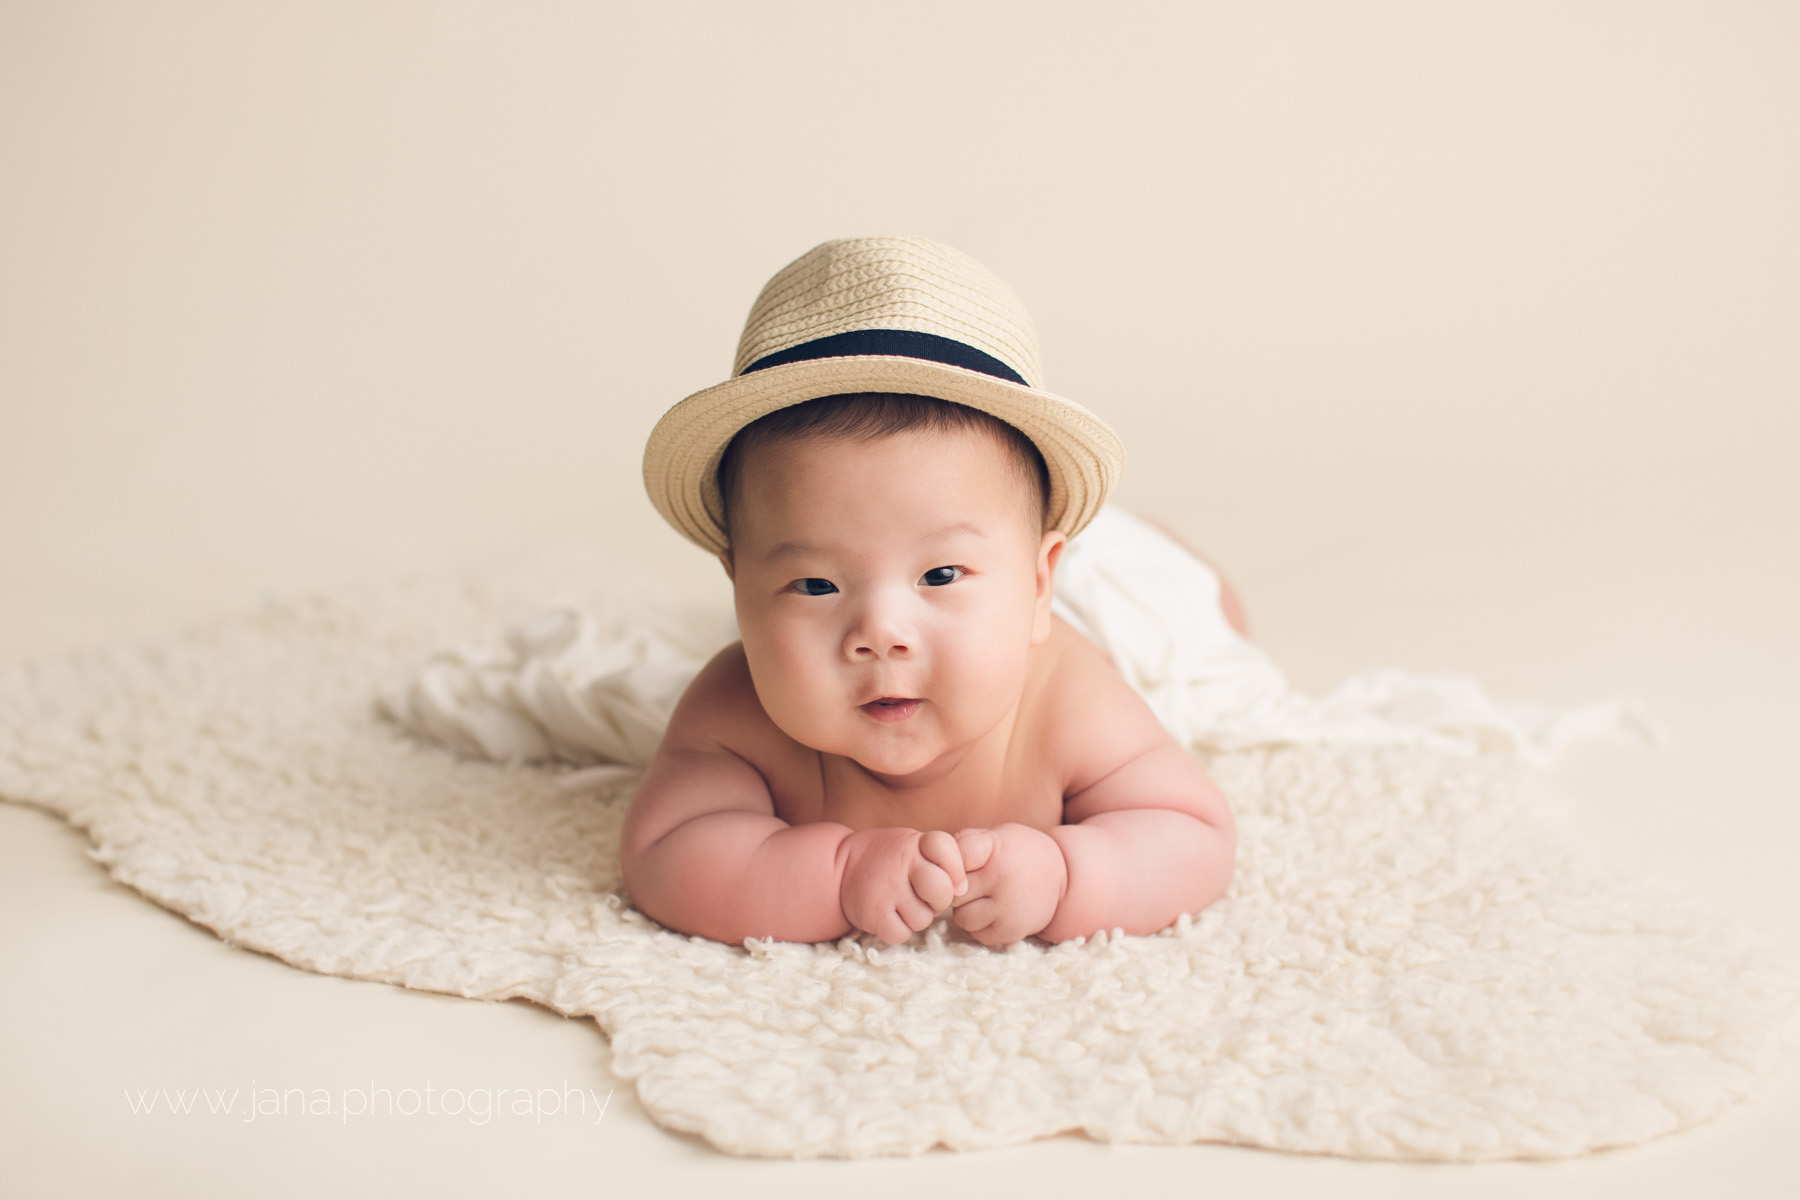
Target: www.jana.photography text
{"x":478,"y":1105}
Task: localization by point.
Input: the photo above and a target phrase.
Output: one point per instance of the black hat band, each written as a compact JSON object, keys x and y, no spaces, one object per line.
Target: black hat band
{"x":901,"y":343}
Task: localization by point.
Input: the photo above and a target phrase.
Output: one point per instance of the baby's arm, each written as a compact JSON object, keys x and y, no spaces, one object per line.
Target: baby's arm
{"x":704,"y":853}
{"x":1152,"y":840}
{"x":1146,"y":834}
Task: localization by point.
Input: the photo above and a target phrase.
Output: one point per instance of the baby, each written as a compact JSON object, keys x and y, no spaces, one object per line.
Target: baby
{"x":905,"y":728}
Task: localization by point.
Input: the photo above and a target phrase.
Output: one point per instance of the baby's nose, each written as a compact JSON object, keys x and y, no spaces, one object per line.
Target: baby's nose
{"x":880,"y":634}
{"x":872,"y":648}
{"x":863,"y":646}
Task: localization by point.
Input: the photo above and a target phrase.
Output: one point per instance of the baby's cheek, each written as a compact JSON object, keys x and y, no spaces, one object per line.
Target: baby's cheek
{"x":791,"y":694}
{"x":801,"y":715}
{"x":988,"y":676}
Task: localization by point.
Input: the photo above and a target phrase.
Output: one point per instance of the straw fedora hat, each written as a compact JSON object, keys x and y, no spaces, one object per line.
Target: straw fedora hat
{"x":889,"y":314}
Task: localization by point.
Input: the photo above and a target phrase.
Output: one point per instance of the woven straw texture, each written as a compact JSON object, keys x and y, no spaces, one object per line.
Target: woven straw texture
{"x":890,"y":283}
{"x":879,"y":283}
{"x":1409,"y":964}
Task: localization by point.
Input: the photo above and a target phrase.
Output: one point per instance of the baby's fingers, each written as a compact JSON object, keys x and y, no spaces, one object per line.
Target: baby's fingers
{"x":892,"y":927}
{"x":938,"y":847}
{"x":977,"y":846}
{"x":931,"y":887}
{"x":984,"y":921}
{"x":978,"y":917}
{"x":977,"y":914}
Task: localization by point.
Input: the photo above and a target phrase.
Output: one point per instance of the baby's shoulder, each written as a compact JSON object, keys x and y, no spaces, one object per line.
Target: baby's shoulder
{"x":720,"y":709}
{"x":710,"y":758}
{"x":1089,"y":718}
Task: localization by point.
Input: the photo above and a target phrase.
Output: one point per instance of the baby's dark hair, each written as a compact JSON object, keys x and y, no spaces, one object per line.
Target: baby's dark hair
{"x":866,"y":416}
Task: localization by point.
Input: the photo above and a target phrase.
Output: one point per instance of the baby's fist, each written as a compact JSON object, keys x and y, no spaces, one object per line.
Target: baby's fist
{"x":1017,"y":876}
{"x":897,"y":881}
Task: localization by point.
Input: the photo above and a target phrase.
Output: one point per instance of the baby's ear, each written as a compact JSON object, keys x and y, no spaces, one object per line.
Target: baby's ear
{"x":726,"y":562}
{"x":1049,"y":554}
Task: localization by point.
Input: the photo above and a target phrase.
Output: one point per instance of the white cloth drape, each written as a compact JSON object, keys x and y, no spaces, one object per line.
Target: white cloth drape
{"x":562,"y":685}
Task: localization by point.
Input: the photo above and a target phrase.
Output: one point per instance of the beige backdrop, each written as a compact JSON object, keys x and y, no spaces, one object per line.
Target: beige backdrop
{"x":1463,"y":336}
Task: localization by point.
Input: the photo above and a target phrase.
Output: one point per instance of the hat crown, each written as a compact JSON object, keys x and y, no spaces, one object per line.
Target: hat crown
{"x":897,"y":283}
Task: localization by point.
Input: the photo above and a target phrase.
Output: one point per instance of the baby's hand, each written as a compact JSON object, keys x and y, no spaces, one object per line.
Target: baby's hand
{"x":1017,"y":876}
{"x":897,"y":881}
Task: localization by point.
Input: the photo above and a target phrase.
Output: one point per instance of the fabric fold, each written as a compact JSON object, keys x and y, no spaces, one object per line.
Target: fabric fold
{"x":559,"y":685}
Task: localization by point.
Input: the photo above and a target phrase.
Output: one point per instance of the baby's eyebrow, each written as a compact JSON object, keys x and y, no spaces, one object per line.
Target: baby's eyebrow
{"x":797,"y":549}
{"x":791,"y":549}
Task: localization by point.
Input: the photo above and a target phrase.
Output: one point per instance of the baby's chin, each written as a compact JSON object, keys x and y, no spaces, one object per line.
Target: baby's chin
{"x":896,"y":762}
{"x":893,"y":753}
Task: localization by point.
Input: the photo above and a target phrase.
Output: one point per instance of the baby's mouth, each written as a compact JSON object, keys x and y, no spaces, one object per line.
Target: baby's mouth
{"x":891,"y":708}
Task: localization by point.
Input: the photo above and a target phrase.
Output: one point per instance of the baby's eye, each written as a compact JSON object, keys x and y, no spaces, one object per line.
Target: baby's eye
{"x":939,"y":576}
{"x":814,"y":587}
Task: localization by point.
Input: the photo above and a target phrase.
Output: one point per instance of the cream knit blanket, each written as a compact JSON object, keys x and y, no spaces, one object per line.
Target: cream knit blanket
{"x":1411,"y":963}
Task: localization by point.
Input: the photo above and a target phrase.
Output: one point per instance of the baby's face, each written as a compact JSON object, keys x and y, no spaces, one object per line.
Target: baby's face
{"x":889,"y":592}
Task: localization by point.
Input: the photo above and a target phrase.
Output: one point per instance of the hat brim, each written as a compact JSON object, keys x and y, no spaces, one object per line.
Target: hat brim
{"x":681,"y":459}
